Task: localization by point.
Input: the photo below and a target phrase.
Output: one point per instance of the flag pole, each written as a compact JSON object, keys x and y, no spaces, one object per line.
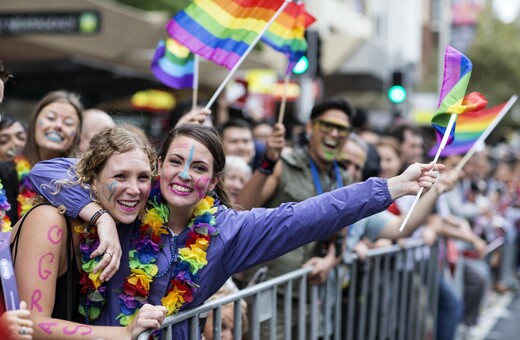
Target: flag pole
{"x":444,"y":141}
{"x":195,"y":81}
{"x":243,"y":57}
{"x":284,"y":98}
{"x":487,"y":132}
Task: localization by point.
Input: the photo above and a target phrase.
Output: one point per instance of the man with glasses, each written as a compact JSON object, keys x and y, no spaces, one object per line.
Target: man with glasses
{"x":299,"y":175}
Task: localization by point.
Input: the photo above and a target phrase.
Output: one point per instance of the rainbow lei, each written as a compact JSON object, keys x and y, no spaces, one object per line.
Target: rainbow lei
{"x":146,"y":245}
{"x":25,"y":192}
{"x":93,"y":293}
{"x":5,"y":222}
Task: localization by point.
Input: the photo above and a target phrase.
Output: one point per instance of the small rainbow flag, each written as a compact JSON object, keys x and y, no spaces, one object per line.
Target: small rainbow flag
{"x":173,"y":64}
{"x":286,"y":34}
{"x":221,"y":30}
{"x":452,"y":100}
{"x":469,"y":129}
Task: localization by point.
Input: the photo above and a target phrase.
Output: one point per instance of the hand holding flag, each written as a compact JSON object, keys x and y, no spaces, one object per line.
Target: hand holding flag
{"x":452,"y":102}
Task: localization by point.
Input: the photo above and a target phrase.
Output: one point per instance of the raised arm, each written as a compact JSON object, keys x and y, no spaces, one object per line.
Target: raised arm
{"x":265,"y":180}
{"x":77,"y":200}
{"x":40,"y":261}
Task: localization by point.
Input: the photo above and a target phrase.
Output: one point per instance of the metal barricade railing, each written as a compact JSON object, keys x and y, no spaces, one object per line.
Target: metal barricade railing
{"x":390,"y":295}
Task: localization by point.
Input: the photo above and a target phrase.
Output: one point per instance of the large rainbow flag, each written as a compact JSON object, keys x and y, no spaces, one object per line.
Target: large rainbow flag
{"x":173,"y":64}
{"x":221,"y":30}
{"x":469,"y":129}
{"x":452,"y":99}
{"x":287,"y":33}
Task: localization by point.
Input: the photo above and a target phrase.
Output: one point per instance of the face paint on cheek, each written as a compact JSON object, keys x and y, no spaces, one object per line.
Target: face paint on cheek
{"x":109,"y":190}
{"x":328,"y":154}
{"x":184,"y":174}
{"x":202,"y":186}
{"x":39,"y":123}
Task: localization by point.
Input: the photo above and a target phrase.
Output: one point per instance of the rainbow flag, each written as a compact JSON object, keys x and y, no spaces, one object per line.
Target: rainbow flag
{"x":286,"y":34}
{"x":457,"y":72}
{"x":221,"y":30}
{"x":173,"y":64}
{"x":469,"y":129}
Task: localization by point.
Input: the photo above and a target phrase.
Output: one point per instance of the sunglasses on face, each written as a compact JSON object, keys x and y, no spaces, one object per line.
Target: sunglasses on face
{"x":326,"y":127}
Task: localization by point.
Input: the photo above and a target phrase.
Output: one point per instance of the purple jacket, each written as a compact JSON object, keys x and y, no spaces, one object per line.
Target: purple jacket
{"x":245,"y":238}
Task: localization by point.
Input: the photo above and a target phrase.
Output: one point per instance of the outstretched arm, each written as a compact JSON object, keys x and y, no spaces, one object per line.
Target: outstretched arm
{"x":77,"y":200}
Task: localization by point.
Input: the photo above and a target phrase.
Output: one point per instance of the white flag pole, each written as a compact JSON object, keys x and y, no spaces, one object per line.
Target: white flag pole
{"x":487,"y":132}
{"x":243,"y":57}
{"x":444,"y":141}
{"x":195,"y":81}
{"x":284,"y":99}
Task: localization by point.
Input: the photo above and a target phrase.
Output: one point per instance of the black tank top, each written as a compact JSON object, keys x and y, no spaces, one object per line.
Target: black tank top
{"x":67,"y":285}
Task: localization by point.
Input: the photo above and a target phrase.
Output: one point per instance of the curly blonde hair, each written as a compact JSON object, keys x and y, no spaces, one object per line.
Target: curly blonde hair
{"x":106,"y":143}
{"x":103,"y":145}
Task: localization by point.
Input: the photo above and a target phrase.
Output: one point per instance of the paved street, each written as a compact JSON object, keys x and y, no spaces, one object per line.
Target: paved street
{"x":500,"y":320}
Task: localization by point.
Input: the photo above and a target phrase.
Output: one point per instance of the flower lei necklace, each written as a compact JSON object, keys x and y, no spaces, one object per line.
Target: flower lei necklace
{"x":25,"y":193}
{"x":5,"y":221}
{"x":146,"y":246}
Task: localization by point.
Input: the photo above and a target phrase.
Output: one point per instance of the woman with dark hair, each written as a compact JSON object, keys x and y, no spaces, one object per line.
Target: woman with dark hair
{"x":190,"y":241}
{"x":12,"y":137}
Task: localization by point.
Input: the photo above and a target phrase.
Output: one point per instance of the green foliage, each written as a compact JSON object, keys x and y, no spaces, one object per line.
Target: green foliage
{"x":171,"y":6}
{"x":495,"y":54}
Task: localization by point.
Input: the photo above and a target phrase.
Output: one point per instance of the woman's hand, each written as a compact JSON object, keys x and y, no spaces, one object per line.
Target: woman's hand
{"x":148,"y":317}
{"x":109,"y":247}
{"x":17,"y":323}
{"x":415,"y":177}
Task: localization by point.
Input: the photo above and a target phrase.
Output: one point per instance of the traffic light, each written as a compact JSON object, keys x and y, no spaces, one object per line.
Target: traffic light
{"x":309,"y":63}
{"x":397,"y":91}
{"x":301,"y":66}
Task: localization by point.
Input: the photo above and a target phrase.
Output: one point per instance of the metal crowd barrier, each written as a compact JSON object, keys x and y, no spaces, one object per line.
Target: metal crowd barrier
{"x":391,"y":295}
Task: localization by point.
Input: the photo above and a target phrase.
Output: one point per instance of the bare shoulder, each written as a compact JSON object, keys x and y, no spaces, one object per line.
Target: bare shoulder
{"x":40,"y":219}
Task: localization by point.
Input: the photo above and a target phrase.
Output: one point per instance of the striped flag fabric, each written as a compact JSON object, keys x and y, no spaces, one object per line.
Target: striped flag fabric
{"x":287,"y":33}
{"x":469,"y":129}
{"x":452,"y":99}
{"x":221,"y":30}
{"x":173,"y":64}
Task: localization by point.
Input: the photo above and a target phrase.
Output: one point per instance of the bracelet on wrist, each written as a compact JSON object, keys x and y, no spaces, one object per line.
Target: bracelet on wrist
{"x":95,"y":217}
{"x":267,"y":166}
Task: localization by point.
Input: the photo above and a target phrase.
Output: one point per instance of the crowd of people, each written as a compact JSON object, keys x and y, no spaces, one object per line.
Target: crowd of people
{"x":131,"y":235}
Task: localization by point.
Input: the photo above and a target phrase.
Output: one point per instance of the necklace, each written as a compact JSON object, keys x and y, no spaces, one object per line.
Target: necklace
{"x":25,"y":193}
{"x":5,"y":222}
{"x":146,"y":244}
